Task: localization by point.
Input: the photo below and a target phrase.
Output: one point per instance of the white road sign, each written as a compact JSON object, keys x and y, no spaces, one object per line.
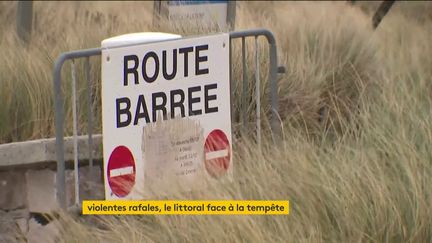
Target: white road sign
{"x":166,"y":114}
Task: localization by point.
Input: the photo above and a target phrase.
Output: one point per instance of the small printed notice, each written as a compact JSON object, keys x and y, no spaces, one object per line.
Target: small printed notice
{"x":173,"y":155}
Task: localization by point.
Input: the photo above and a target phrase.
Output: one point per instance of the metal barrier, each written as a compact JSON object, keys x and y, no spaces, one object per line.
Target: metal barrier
{"x":59,"y":120}
{"x":87,"y":53}
{"x":273,"y":71}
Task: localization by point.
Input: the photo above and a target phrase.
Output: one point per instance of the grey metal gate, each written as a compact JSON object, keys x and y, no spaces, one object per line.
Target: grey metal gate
{"x":87,"y":53}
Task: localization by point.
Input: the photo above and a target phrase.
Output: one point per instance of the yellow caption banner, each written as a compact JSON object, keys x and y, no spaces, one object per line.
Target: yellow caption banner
{"x":190,"y":207}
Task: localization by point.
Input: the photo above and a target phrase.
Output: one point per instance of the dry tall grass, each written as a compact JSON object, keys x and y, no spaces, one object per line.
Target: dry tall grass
{"x":361,"y":175}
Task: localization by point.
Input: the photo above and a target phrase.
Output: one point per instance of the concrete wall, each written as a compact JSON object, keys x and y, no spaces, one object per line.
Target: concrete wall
{"x":28,"y":186}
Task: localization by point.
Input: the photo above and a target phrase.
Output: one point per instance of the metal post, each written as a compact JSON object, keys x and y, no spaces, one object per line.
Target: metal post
{"x":156,"y":13}
{"x":275,"y":122}
{"x":75,"y":133}
{"x":24,"y":20}
{"x":381,"y":12}
{"x":245,"y":84}
{"x":58,"y":104}
{"x":231,"y":79}
{"x":258,"y":93}
{"x":90,"y":116}
{"x":231,"y":14}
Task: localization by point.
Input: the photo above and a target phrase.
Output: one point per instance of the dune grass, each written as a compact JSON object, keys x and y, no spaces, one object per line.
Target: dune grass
{"x":360,"y":174}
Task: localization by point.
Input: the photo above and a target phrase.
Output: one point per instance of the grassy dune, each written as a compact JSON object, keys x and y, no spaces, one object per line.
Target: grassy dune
{"x":361,"y":174}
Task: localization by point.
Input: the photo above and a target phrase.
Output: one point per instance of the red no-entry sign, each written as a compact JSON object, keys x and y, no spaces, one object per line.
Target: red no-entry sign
{"x":217,"y":153}
{"x":121,"y":171}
